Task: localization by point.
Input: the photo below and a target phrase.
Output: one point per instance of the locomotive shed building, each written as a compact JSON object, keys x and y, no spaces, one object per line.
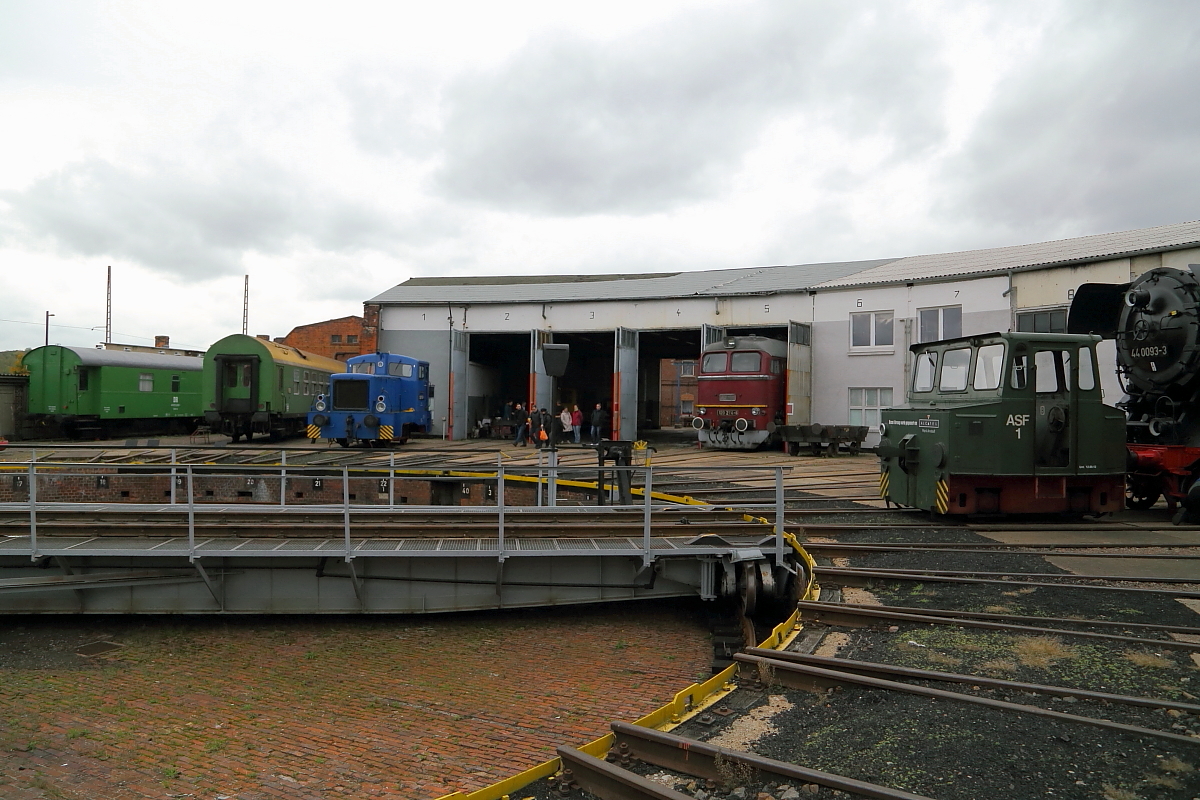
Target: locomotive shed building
{"x":849,"y":324}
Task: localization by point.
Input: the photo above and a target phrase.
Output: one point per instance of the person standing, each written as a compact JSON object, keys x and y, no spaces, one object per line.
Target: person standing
{"x":520,"y":422}
{"x":599,"y":423}
{"x":576,"y":423}
{"x":564,"y":420}
{"x":545,"y":425}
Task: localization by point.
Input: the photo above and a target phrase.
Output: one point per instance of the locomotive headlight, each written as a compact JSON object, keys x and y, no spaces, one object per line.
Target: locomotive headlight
{"x":702,"y":410}
{"x":380,"y":404}
{"x":883,"y":429}
{"x":755,"y":411}
{"x":320,"y":404}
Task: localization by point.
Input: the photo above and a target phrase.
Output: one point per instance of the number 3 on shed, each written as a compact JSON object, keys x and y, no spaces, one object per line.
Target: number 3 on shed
{"x":1018,"y":421}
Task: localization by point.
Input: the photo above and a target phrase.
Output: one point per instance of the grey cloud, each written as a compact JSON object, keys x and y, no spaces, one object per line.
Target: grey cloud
{"x":573,"y":126}
{"x":192,"y":225}
{"x":1097,"y":132}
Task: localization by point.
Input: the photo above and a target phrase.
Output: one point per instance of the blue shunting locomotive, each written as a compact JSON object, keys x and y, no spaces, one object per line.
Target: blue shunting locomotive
{"x":381,"y":398}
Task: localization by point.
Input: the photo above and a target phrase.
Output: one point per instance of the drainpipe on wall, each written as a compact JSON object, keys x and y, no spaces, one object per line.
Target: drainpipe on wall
{"x":1011,"y":294}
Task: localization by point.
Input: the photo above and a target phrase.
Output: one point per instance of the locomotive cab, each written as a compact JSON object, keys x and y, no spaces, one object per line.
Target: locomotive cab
{"x":740,"y":392}
{"x":1004,"y":423}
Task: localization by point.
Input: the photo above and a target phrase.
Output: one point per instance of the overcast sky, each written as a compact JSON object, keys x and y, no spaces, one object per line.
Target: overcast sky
{"x":331,"y":151}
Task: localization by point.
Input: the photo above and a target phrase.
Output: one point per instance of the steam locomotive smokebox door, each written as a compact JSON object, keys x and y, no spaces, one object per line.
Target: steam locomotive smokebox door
{"x":555,"y":356}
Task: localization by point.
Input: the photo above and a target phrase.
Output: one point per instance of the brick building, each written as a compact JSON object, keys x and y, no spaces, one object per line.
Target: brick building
{"x":677,"y":391}
{"x":339,"y":338}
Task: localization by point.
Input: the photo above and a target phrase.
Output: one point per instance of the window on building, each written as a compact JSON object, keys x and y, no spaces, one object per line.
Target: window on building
{"x":872,"y":329}
{"x":687,"y":369}
{"x":687,"y":406}
{"x":746,"y":362}
{"x":335,"y":338}
{"x":351,"y":339}
{"x":83,"y":379}
{"x":174,"y":384}
{"x":145,"y":382}
{"x":865,"y":404}
{"x":1050,"y":320}
{"x":940,"y":323}
{"x":714,"y":362}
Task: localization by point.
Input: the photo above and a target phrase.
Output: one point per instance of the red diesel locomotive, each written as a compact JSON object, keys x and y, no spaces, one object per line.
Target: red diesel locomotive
{"x":740,"y":392}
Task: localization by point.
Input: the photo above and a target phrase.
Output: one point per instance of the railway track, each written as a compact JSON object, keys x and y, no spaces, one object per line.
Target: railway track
{"x":952,"y":666}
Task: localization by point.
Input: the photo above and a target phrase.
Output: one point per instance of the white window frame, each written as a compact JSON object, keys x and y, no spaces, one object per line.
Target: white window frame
{"x":869,"y":415}
{"x":873,"y":347}
{"x":941,"y":323}
{"x":145,"y":382}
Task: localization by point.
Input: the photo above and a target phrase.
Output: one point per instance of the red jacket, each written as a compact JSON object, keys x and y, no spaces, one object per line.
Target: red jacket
{"x":576,"y":417}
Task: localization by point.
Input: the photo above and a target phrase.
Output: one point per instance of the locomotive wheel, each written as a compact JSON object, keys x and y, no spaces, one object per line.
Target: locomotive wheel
{"x":344,"y":442}
{"x":793,"y":448}
{"x":1140,"y":498}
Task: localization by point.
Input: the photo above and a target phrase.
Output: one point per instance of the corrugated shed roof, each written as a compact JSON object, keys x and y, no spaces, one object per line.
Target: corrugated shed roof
{"x":1028,"y":256}
{"x":708,"y":283}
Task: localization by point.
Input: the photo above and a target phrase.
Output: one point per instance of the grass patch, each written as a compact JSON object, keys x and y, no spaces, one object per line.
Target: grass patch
{"x":1175,"y":765}
{"x":1041,"y":652}
{"x":944,"y":660}
{"x":1110,"y":792}
{"x":1000,"y":666}
{"x":1150,"y":660}
{"x":998,"y":609}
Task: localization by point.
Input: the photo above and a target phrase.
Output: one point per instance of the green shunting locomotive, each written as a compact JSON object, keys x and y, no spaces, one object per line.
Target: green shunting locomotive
{"x":1004,"y":423}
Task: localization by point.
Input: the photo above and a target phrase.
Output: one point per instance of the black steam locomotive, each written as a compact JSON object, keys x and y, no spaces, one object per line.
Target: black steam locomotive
{"x":1155,"y":320}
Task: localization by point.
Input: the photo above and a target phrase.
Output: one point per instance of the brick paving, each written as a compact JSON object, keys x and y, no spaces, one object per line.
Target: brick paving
{"x":258,"y":708}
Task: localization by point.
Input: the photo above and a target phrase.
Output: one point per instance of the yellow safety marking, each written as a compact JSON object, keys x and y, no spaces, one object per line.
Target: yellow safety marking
{"x":884,"y":480}
{"x":942,"y":502}
{"x":385,"y":431}
{"x":314,"y":431}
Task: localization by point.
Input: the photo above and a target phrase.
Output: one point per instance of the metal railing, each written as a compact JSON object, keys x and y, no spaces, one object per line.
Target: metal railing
{"x":548,"y":478}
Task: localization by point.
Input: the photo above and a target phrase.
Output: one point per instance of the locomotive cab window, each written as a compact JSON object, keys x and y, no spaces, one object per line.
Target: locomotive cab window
{"x":955,"y":366}
{"x":989,"y":367}
{"x":714,"y":362}
{"x":776,"y":366}
{"x":923,"y":374}
{"x":746,"y":362}
{"x":400,"y":370}
{"x":1087,"y":375}
{"x":1020,"y":372}
{"x":422,"y":372}
{"x":367,"y":368}
{"x":1052,"y":371}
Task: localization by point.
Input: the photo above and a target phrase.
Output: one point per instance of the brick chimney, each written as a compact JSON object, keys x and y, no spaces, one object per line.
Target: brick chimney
{"x":162,"y":341}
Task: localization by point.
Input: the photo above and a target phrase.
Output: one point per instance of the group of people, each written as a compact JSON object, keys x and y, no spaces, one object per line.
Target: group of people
{"x":543,"y":429}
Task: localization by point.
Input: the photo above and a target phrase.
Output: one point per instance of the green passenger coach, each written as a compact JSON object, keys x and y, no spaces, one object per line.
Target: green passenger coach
{"x":1004,"y":423}
{"x":256,"y":386}
{"x":89,"y":392}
